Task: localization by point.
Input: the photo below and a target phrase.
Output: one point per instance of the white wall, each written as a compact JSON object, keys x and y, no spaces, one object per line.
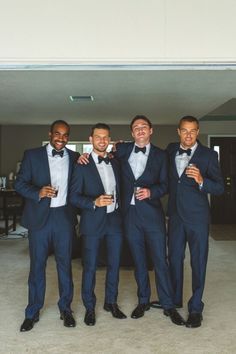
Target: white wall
{"x":101,"y":31}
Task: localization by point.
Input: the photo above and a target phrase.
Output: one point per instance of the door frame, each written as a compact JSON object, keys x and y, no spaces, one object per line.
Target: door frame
{"x":209,"y":145}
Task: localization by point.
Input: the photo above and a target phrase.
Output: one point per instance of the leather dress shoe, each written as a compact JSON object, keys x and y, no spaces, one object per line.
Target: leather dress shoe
{"x":68,"y":319}
{"x":90,"y":318}
{"x":139,"y":310}
{"x":28,"y":323}
{"x":174,"y":316}
{"x":157,"y":305}
{"x":194,"y":320}
{"x":115,"y":311}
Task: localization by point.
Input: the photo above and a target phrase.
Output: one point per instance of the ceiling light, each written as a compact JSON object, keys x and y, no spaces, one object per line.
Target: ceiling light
{"x":82,"y":98}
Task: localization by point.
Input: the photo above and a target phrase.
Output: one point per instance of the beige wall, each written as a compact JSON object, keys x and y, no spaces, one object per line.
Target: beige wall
{"x":76,"y":31}
{"x":15,"y":139}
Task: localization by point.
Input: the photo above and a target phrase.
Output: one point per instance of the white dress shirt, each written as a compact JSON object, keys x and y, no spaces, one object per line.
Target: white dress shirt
{"x":108,"y":179}
{"x":59,"y":168}
{"x":182,"y":160}
{"x":138,"y":161}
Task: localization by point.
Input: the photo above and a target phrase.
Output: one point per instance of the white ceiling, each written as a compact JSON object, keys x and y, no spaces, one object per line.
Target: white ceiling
{"x":41,"y":96}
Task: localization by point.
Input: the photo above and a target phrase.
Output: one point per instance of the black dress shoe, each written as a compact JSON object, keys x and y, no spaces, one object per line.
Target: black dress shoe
{"x":28,"y":323}
{"x":194,"y":320}
{"x":68,"y":319}
{"x":90,"y":318}
{"x":157,"y":305}
{"x":114,"y":309}
{"x":174,"y":316}
{"x":139,"y":310}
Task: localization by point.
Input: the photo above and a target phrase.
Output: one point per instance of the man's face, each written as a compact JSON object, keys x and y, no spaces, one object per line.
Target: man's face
{"x":141,"y":132}
{"x":59,"y":136}
{"x":188,"y":133}
{"x":100,"y":140}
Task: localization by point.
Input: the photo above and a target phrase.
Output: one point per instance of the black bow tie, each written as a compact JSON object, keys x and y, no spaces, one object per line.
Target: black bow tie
{"x":55,"y":152}
{"x":137,"y":149}
{"x":105,"y":159}
{"x":182,"y":151}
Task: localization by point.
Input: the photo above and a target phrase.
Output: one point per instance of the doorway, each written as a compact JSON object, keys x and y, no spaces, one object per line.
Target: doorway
{"x":223,"y":208}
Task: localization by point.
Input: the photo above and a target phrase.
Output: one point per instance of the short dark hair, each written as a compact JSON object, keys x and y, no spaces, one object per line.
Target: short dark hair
{"x":59,"y":121}
{"x":100,"y":126}
{"x":189,"y":119}
{"x":140,"y":116}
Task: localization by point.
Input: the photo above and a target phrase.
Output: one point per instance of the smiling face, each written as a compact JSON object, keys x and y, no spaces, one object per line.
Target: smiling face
{"x":59,"y":136}
{"x":141,"y":132}
{"x":100,"y":141}
{"x":188,"y":133}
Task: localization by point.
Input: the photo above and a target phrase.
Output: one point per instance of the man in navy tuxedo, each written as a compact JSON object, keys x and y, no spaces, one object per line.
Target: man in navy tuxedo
{"x":144,"y":174}
{"x":43,"y":181}
{"x":95,"y":190}
{"x":194,"y":172}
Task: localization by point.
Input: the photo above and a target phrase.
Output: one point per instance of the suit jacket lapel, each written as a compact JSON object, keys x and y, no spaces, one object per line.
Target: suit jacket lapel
{"x":127,"y":167}
{"x":71,"y":162}
{"x":45,"y":163}
{"x":172,"y":161}
{"x":94,"y":172}
{"x":116,"y":174}
{"x":196,"y":153}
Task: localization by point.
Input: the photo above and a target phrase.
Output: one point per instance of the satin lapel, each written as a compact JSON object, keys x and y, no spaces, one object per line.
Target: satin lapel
{"x":127,"y":169}
{"x":70,"y":164}
{"x":94,"y":172}
{"x":116,"y":173}
{"x":197,"y":153}
{"x":45,"y":164}
{"x":149,"y":160}
{"x":172,"y":161}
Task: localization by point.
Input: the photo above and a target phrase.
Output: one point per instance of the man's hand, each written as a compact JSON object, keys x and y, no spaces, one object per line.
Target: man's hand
{"x":47,"y":192}
{"x":143,"y":193}
{"x":114,"y":144}
{"x":103,"y":200}
{"x":194,"y":172}
{"x":83,"y":159}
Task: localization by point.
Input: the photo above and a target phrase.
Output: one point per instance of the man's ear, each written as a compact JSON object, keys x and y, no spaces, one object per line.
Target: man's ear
{"x":91,"y":140}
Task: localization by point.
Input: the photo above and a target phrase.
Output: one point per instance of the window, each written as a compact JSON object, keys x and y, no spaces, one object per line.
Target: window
{"x":79,"y":146}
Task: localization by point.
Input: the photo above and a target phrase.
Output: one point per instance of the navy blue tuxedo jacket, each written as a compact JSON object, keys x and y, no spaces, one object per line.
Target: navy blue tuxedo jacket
{"x":154,"y":177}
{"x":33,"y":175}
{"x":86,"y":186}
{"x":185,"y":197}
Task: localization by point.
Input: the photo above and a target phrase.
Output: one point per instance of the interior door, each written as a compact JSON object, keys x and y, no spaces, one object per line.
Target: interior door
{"x":223,"y":208}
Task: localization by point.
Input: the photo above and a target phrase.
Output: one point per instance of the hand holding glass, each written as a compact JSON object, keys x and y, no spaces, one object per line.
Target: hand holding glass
{"x":111,"y":194}
{"x":136,"y":190}
{"x":56,"y":189}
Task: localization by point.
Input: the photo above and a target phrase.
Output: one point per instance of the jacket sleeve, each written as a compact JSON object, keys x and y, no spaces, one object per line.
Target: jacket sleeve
{"x":76,"y":194}
{"x":24,"y":181}
{"x":213,"y":182}
{"x":159,"y":189}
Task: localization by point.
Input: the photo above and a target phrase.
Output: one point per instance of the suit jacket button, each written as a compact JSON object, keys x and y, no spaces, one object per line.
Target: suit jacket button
{"x":179,"y":181}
